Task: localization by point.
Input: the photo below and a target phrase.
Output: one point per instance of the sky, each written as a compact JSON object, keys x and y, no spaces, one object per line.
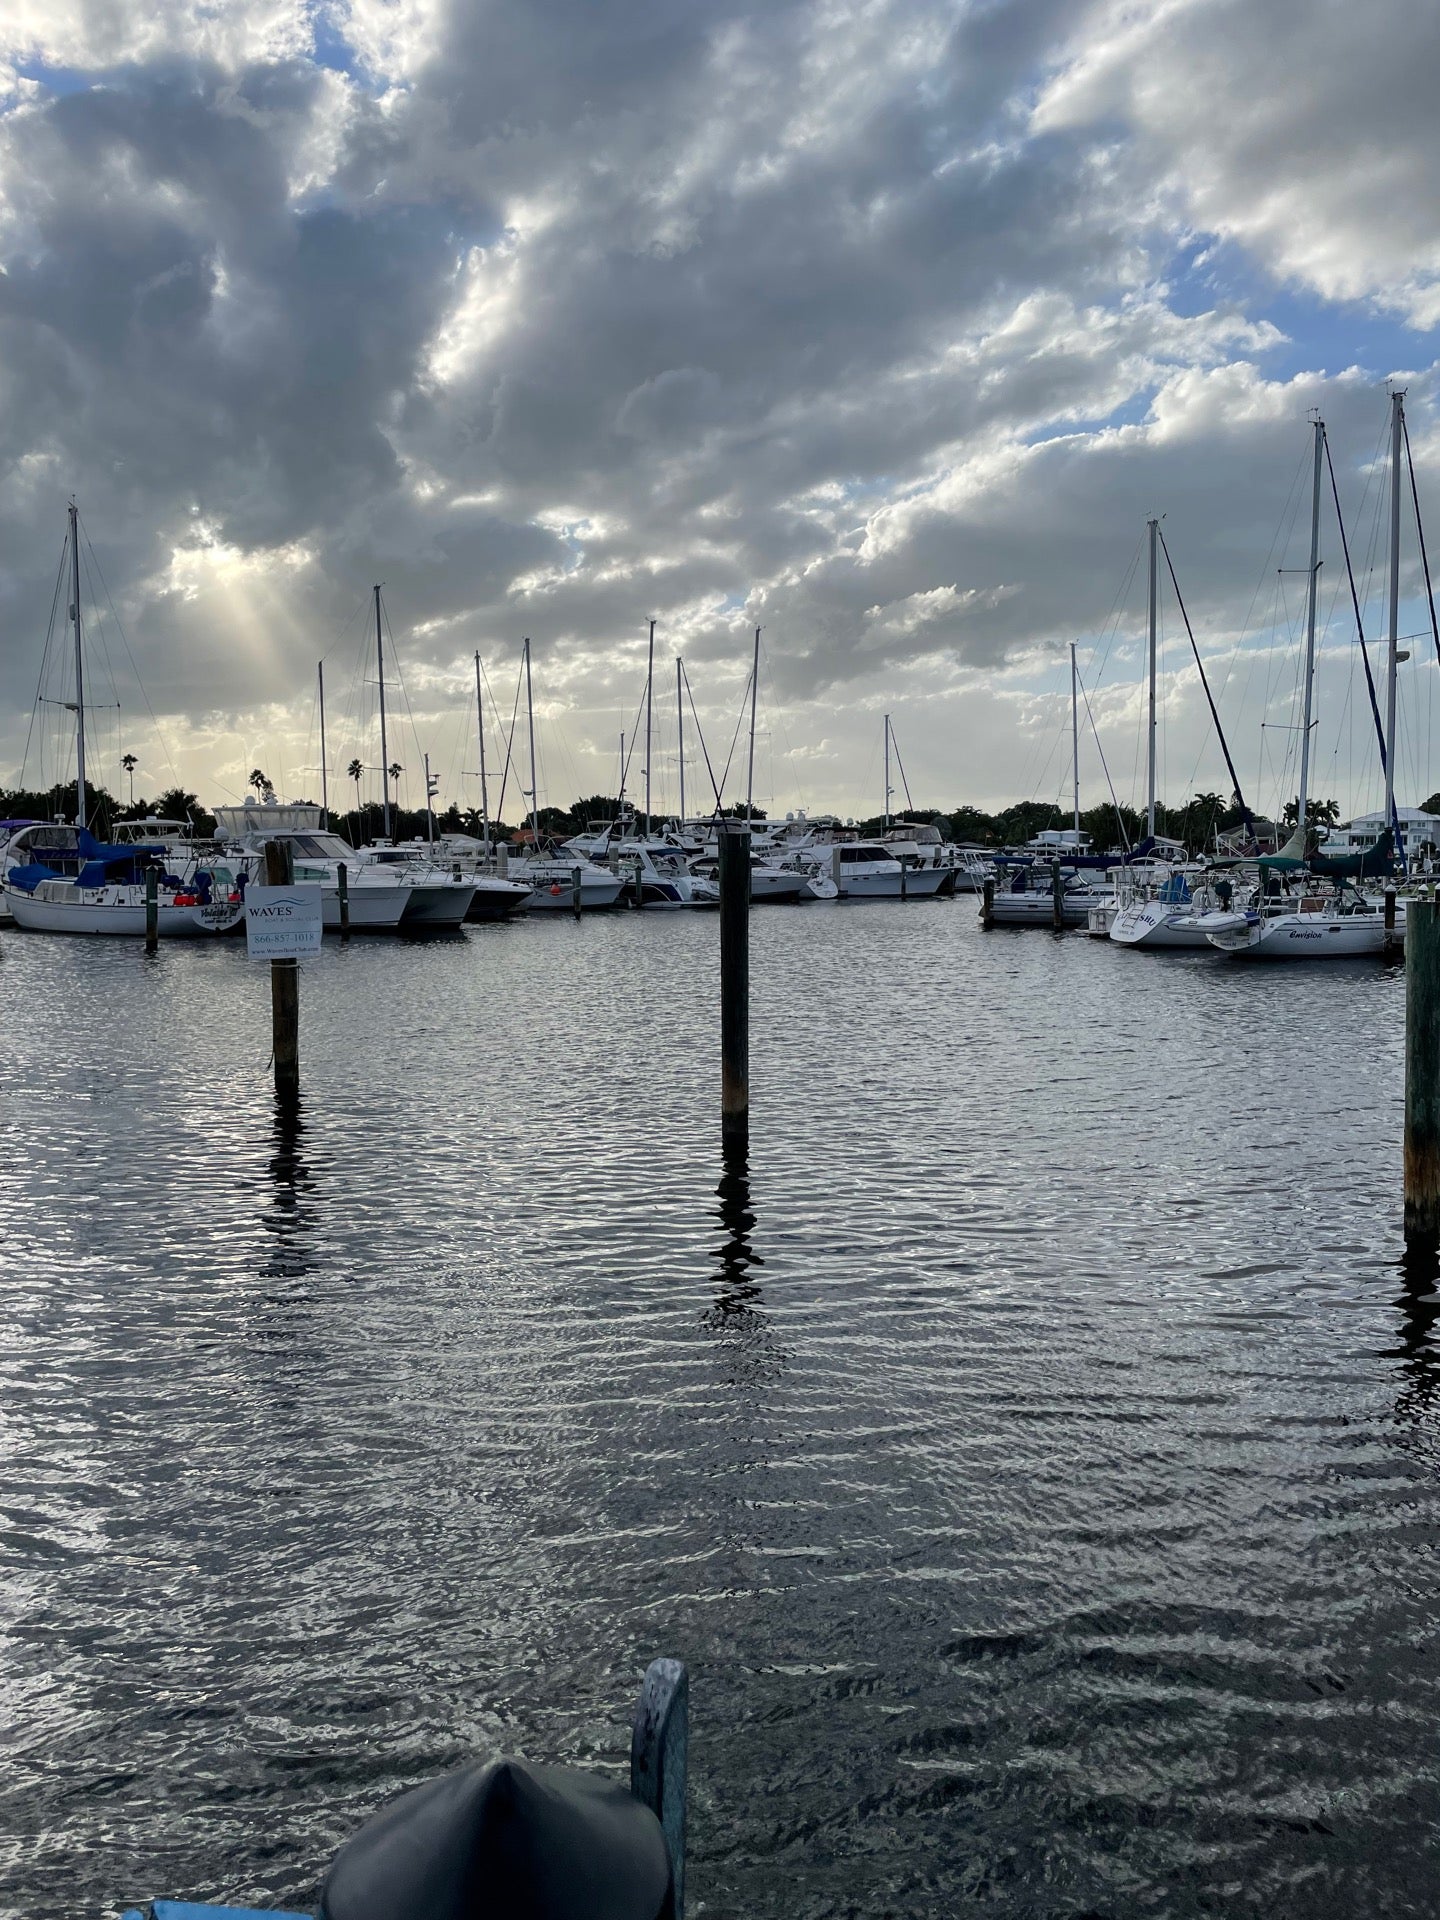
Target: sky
{"x":881,"y":325}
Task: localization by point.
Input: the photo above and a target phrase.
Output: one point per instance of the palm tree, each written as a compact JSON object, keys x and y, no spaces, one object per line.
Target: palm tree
{"x":395,"y":773}
{"x":129,"y":763}
{"x":260,"y":782}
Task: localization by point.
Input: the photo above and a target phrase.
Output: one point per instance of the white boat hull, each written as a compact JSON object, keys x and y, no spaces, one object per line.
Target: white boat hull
{"x":1153,"y":923}
{"x":437,"y":904}
{"x":120,"y":920}
{"x":1312,"y":936}
{"x":1038,"y":909}
{"x":372,"y":909}
{"x":558,"y":896}
{"x":920,"y":884}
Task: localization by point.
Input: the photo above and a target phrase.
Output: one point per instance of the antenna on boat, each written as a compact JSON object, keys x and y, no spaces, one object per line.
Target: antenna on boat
{"x":480,"y":728}
{"x":534,"y":793}
{"x":324,"y":765}
{"x":649,"y":709}
{"x":1397,"y":429}
{"x":1303,"y":801}
{"x":384,"y":745}
{"x":1075,"y":737}
{"x":1154,"y":525}
{"x":754,"y":694}
{"x":680,"y":724}
{"x":80,"y":806}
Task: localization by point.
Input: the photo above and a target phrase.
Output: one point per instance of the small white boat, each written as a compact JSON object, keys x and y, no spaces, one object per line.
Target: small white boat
{"x":1028,"y":899}
{"x":768,"y":881}
{"x":661,"y":882}
{"x":867,"y":870}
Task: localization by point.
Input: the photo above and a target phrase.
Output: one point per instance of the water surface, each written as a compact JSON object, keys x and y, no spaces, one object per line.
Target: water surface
{"x":1033,"y":1451}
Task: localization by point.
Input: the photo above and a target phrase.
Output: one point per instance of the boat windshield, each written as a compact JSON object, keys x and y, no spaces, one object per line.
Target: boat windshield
{"x":320,"y":846}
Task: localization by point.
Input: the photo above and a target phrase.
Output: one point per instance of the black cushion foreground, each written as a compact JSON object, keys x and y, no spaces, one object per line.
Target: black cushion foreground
{"x":505,"y":1842}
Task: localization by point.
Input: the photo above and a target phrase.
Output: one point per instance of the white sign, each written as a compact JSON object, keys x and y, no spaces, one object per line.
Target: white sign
{"x":282,"y":923}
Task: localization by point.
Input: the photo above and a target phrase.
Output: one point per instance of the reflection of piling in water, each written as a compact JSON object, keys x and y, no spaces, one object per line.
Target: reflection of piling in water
{"x":1422,"y":1072}
{"x":737,"y":1217}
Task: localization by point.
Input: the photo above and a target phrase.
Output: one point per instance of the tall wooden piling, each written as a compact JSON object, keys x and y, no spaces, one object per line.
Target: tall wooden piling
{"x":1389,"y":910}
{"x":342,"y":881}
{"x":734,"y":979}
{"x":1422,"y":1071}
{"x":575,"y":891}
{"x":987,"y":903}
{"x":1057,"y":897}
{"x":152,"y":908}
{"x":284,"y":984}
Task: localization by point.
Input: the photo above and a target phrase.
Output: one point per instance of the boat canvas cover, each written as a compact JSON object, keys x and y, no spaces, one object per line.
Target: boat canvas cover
{"x":104,"y":866}
{"x":1377,"y":862}
{"x":1175,"y":892}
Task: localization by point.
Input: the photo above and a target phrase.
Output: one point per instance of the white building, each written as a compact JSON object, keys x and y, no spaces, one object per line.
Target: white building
{"x":1420,"y":830}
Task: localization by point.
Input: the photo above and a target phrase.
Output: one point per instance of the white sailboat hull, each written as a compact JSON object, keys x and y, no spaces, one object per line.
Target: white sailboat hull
{"x":118,"y":919}
{"x":1153,"y":923}
{"x":1313,"y":936}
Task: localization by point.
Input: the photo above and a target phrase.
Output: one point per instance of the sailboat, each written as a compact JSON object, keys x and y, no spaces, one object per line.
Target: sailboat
{"x":1345,"y":923}
{"x":1156,"y":906}
{"x":61,"y":879}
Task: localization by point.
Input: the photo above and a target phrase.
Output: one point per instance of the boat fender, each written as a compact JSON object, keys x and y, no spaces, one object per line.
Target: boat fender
{"x":555,"y":887}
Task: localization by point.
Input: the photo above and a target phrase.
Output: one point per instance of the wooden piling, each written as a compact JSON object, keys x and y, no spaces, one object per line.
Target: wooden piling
{"x":904,"y":881}
{"x":987,"y":903}
{"x":152,"y":908}
{"x":1390,"y":910}
{"x":575,"y":891}
{"x":342,"y":880}
{"x":1422,"y":1071}
{"x":1057,"y":897}
{"x":284,"y":984}
{"x":734,"y":979}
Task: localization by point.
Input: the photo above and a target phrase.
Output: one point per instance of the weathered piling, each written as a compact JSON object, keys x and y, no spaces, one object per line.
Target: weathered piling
{"x":342,"y":881}
{"x":987,"y":903}
{"x":502,"y":859}
{"x":575,"y":891}
{"x":1422,"y":1071}
{"x":734,"y":979}
{"x":904,"y":879}
{"x":152,"y":908}
{"x":1057,"y":897}
{"x":1389,"y":910}
{"x":284,"y":984}
{"x":660,"y":1759}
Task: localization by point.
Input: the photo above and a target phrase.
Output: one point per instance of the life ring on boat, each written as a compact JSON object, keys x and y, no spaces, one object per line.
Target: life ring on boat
{"x":555,"y":887}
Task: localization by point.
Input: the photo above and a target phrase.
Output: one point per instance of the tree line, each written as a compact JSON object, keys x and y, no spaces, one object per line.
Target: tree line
{"x":1196,"y":823}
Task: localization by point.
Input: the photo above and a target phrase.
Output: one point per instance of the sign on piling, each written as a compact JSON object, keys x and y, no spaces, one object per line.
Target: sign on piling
{"x":1422,"y":1071}
{"x":282,"y":923}
{"x":734,"y":979}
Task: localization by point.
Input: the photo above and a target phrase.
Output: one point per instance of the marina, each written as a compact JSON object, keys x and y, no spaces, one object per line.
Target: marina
{"x":720,"y":955}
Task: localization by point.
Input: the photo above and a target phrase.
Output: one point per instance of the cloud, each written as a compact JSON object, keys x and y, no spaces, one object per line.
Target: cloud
{"x":853,"y":319}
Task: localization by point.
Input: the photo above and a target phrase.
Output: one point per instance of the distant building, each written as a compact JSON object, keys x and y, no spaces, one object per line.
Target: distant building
{"x":1420,"y":830}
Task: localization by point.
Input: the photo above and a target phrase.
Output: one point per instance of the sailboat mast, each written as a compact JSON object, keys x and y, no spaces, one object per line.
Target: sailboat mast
{"x":384,"y":743}
{"x":324,"y":766}
{"x":1075,"y":737}
{"x":1397,"y":430}
{"x":649,"y":709}
{"x":530,"y":715}
{"x":80,"y":806}
{"x":1150,"y":754}
{"x":1303,"y":803}
{"x":480,"y":729}
{"x":754,"y":696}
{"x":887,"y":774}
{"x":680,"y":728}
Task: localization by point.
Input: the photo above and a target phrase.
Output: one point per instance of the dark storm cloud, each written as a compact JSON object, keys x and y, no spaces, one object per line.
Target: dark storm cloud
{"x":850,"y":319}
